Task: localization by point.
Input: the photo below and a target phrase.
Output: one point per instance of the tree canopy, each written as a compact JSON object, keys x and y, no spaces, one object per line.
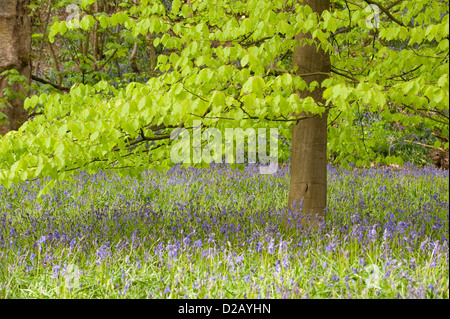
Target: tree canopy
{"x":229,"y":64}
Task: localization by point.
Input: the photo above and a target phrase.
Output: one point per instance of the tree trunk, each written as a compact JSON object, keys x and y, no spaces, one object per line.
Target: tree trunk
{"x":15,"y":46}
{"x":308,"y":186}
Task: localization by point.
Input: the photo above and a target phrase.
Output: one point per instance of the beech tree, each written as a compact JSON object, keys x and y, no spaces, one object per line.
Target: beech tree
{"x":308,"y":185}
{"x":310,"y":69}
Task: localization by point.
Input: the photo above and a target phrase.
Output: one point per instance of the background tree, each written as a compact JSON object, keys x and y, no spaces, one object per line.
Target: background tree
{"x":235,"y":64}
{"x":15,"y":63}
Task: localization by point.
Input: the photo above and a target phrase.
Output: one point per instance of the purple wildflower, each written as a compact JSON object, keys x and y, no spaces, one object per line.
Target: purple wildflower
{"x":277,"y":266}
{"x":41,"y":240}
{"x":198,"y":243}
{"x":271,"y":246}
{"x":56,"y":270}
{"x":330,"y":247}
{"x":373,"y":234}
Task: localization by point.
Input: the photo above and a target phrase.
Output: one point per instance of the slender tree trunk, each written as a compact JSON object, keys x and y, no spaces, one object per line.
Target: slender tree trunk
{"x":308,"y":186}
{"x":15,"y":46}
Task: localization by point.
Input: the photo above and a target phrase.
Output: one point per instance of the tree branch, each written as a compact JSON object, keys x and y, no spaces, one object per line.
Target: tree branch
{"x":403,"y":74}
{"x":386,"y":11}
{"x":393,"y":4}
{"x":56,"y":86}
{"x":345,"y":75}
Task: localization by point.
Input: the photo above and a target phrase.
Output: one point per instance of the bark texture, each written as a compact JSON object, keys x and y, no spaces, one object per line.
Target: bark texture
{"x":15,"y":46}
{"x":308,"y":185}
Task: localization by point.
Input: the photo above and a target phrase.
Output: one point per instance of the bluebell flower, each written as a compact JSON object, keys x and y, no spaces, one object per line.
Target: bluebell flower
{"x":424,"y":244}
{"x":373,"y":234}
{"x":41,"y":240}
{"x":211,"y":237}
{"x":125,"y":289}
{"x":172,"y":251}
{"x":259,"y":247}
{"x":362,"y":262}
{"x":277,"y":266}
{"x":56,"y":270}
{"x":433,"y":263}
{"x":286,"y":262}
{"x":330,"y":247}
{"x":198,"y":243}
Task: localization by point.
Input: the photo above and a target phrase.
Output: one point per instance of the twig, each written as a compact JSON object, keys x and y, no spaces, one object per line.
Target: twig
{"x":425,"y":145}
{"x":362,"y":128}
{"x":333,"y":121}
{"x":133,"y":58}
{"x":403,"y":74}
{"x":333,"y":70}
{"x":386,"y":11}
{"x":56,"y":86}
{"x":44,"y":34}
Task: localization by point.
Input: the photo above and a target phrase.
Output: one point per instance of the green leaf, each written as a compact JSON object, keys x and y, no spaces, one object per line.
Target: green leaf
{"x":286,"y":79}
{"x":94,"y":136}
{"x":86,"y":3}
{"x":218,"y":98}
{"x":245,"y":59}
{"x":177,"y":88}
{"x":62,"y":27}
{"x":125,"y":111}
{"x":87,"y":22}
{"x":443,"y":81}
{"x":176,"y":5}
{"x":258,"y":84}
